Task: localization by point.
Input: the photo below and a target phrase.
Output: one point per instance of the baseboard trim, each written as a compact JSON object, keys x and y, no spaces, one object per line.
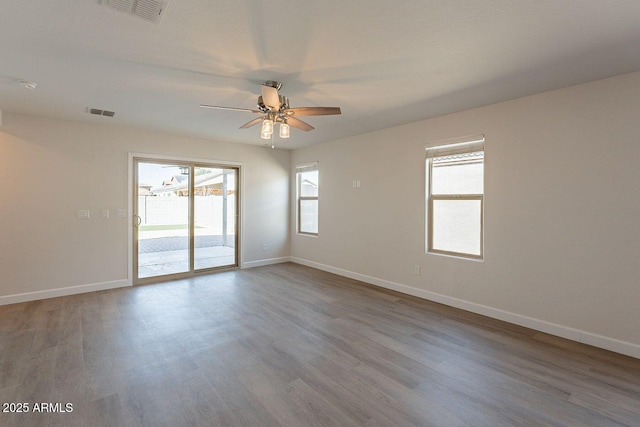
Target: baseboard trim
{"x":262,"y":262}
{"x":61,"y":292}
{"x":611,"y":344}
{"x":72,"y":290}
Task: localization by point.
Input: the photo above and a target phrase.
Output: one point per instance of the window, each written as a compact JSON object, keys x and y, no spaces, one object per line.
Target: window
{"x":307,"y":193}
{"x":455,"y":198}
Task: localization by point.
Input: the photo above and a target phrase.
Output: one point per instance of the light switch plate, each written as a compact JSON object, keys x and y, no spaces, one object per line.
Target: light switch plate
{"x":83,"y":214}
{"x":121,"y":213}
{"x":104,"y":214}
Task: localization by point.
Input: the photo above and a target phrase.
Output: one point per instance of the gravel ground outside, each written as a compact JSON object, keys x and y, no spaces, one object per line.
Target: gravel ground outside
{"x":163,"y":244}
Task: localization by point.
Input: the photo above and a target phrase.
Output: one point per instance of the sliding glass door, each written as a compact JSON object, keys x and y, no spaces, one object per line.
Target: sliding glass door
{"x":214,"y":217}
{"x":185,"y":219}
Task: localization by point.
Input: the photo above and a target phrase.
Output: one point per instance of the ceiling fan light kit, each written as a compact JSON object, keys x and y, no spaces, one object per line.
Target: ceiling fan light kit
{"x":267,"y":129}
{"x":274,"y":108}
{"x":285,"y":131}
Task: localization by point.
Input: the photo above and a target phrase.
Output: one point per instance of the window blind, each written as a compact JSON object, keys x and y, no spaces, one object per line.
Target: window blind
{"x":307,"y":167}
{"x":452,"y":147}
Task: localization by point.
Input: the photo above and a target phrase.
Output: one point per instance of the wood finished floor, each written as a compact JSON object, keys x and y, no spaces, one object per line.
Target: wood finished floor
{"x":293,"y":346}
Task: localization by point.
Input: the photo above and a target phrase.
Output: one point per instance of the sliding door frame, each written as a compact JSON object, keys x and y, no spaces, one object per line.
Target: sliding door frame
{"x":192,"y":163}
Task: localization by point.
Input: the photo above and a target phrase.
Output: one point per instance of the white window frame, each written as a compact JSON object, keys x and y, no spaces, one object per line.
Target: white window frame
{"x":299,"y":199}
{"x":471,"y":144}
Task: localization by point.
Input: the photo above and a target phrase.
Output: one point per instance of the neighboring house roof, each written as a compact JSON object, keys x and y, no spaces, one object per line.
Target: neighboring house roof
{"x":212,"y":180}
{"x":175,"y":179}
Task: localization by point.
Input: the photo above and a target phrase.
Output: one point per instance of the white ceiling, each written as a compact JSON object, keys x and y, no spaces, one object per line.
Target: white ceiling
{"x":384,"y":63}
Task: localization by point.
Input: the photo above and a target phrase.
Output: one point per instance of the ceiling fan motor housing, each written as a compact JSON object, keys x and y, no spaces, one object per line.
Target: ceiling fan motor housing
{"x":284,"y":104}
{"x":273,"y":84}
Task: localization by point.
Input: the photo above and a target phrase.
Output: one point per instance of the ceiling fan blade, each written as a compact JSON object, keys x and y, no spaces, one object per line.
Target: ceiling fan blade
{"x":313,"y":111}
{"x":251,"y":123}
{"x":231,"y":108}
{"x":299,"y":124}
{"x":270,"y":97}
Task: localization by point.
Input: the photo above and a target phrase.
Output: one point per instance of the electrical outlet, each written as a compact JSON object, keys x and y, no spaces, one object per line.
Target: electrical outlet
{"x":264,"y":246}
{"x":417,"y":270}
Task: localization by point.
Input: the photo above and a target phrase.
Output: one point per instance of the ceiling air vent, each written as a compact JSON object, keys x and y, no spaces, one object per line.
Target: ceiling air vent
{"x":98,"y":112}
{"x":149,"y":10}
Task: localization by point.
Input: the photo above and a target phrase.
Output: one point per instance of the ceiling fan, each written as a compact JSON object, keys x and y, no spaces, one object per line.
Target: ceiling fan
{"x":274,"y":108}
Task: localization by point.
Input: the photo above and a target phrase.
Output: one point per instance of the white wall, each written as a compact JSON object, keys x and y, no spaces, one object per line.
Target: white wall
{"x":562,"y":239}
{"x":71,"y":166}
{"x":562,"y":212}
